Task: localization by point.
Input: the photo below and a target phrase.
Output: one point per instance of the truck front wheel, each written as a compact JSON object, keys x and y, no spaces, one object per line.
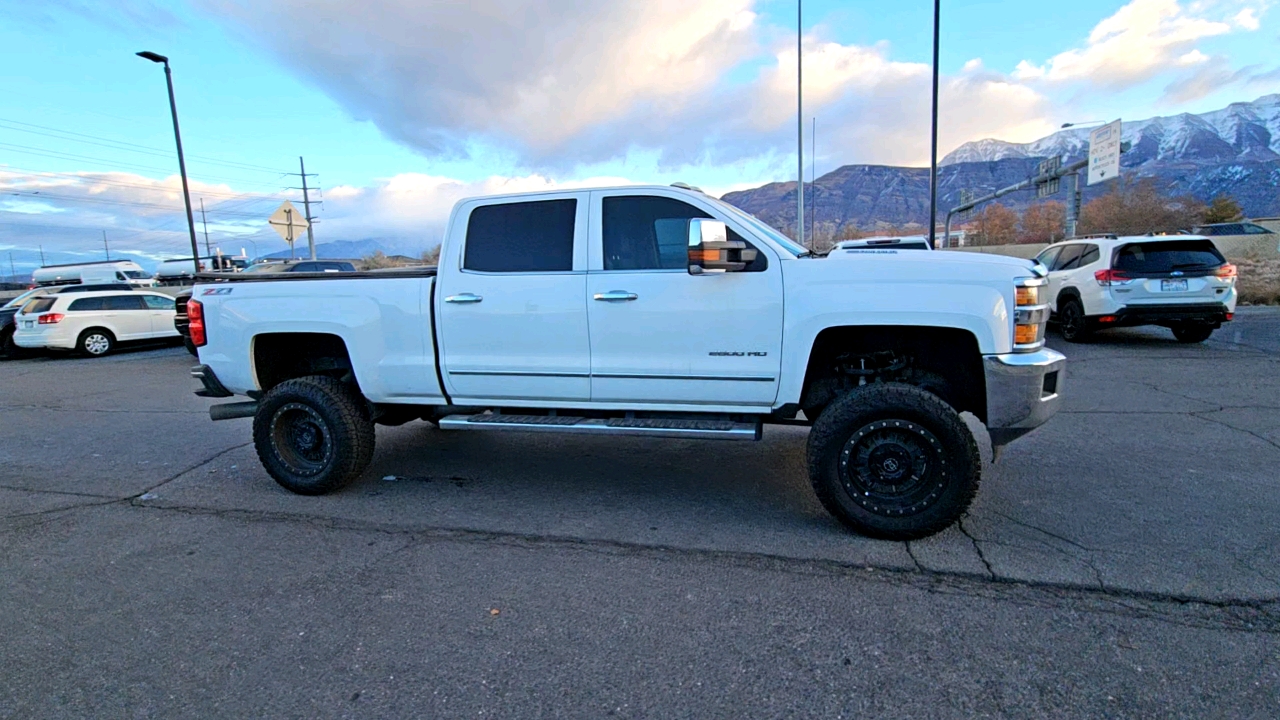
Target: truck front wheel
{"x":313,"y":434}
{"x":893,"y":461}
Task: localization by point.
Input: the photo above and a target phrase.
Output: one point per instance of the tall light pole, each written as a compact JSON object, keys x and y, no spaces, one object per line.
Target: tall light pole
{"x":933,"y":153}
{"x":182,"y":163}
{"x":800,"y":122}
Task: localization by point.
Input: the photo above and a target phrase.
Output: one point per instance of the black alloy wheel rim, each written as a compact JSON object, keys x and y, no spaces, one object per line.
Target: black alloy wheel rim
{"x":301,"y":439}
{"x":1072,"y":320}
{"x":893,"y":468}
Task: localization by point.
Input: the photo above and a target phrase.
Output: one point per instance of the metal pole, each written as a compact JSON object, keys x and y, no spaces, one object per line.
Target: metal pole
{"x":13,"y":273}
{"x":933,"y":156}
{"x":182,"y":168}
{"x":104,"y":244}
{"x":1073,"y":204}
{"x":205,"y":222}
{"x":306,"y":208}
{"x":799,"y":122}
{"x":813,"y":184}
{"x":41,"y":256}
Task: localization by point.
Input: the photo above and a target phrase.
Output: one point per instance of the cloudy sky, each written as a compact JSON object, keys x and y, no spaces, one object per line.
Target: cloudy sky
{"x":403,"y":106}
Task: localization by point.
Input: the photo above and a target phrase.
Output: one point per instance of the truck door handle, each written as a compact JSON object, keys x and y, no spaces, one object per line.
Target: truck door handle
{"x":464,"y":298}
{"x":616,"y":296}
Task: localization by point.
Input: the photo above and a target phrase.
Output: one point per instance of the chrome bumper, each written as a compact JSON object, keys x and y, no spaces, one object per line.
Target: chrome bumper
{"x":1023,"y":391}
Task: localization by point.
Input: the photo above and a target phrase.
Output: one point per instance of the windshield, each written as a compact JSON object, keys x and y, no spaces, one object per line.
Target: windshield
{"x":17,"y":302}
{"x":756,"y":223}
{"x":137,"y":274}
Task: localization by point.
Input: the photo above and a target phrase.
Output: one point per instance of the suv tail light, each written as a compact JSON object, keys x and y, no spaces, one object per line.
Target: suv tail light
{"x":195,"y":320}
{"x":1107,"y":278}
{"x":50,"y":318}
{"x":1226,"y":272}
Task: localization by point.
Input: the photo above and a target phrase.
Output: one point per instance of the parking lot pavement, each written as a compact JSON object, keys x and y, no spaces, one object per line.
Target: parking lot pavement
{"x":1119,"y":561}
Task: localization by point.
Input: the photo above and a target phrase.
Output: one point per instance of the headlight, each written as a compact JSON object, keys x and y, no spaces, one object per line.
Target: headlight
{"x":1031,"y":314}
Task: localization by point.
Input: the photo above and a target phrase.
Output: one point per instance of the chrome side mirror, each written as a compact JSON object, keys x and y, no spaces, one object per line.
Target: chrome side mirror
{"x":711,"y":250}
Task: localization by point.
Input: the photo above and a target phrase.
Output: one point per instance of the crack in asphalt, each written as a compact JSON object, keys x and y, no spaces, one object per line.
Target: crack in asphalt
{"x":111,"y":500}
{"x":1202,"y":415}
{"x":977,"y":548}
{"x":914,"y":559}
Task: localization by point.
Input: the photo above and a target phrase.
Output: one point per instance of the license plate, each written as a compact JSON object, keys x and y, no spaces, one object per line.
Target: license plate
{"x":1173,"y":285}
{"x":28,"y":324}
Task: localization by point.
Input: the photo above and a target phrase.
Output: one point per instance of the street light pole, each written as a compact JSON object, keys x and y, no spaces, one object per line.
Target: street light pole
{"x":800,"y":122}
{"x":182,"y":163}
{"x":933,"y":155}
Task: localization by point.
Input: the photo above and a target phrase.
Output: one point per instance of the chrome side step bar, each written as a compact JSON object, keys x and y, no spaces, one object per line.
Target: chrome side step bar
{"x":672,"y":428}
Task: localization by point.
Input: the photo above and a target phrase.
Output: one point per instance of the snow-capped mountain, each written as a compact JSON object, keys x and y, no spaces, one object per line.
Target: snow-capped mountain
{"x":1240,"y":132}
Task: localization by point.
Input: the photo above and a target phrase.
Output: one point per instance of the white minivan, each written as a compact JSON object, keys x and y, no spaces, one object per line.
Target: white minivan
{"x":94,"y":322}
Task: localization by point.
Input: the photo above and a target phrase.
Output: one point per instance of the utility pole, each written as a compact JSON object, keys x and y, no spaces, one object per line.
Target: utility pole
{"x":13,"y":274}
{"x":800,"y":122}
{"x":205,"y":221}
{"x":306,"y":208}
{"x":41,"y":256}
{"x":933,"y":153}
{"x":813,"y":183}
{"x":1073,"y":203}
{"x":104,"y":244}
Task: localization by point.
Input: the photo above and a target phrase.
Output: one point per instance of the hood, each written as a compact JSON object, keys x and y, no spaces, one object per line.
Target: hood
{"x":936,"y":257}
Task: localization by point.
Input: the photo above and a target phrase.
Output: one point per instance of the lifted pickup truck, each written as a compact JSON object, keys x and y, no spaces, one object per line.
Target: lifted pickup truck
{"x":653,"y":311}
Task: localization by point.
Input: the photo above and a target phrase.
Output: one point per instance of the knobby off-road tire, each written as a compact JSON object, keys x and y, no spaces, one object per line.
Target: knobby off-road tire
{"x":1192,"y":333}
{"x":892,"y":461}
{"x":1072,"y":323}
{"x":313,"y":434}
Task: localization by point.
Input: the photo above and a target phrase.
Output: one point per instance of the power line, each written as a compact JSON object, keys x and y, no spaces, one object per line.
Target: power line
{"x":104,"y":201}
{"x":121,"y":144}
{"x":88,"y":179}
{"x":115,"y":163}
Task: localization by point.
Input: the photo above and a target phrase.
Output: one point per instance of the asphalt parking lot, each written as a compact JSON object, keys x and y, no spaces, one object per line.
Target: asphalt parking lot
{"x":1122,"y":561}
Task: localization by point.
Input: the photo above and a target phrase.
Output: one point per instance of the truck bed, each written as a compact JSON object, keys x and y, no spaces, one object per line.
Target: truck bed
{"x":384,"y":274}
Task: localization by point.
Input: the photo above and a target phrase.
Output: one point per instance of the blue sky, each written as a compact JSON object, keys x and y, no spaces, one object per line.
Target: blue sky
{"x":403,"y":107}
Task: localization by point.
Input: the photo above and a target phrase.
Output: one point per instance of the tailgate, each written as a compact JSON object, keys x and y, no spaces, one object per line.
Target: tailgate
{"x":1165,"y":272}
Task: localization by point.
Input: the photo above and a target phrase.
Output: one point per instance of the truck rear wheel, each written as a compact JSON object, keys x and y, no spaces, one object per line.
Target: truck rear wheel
{"x":893,"y":461}
{"x":313,"y":434}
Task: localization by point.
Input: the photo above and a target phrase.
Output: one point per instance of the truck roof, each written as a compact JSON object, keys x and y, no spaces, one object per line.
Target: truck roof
{"x":556,"y":191}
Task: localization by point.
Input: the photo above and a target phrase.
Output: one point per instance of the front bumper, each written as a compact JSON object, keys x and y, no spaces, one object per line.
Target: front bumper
{"x":1023,"y":391}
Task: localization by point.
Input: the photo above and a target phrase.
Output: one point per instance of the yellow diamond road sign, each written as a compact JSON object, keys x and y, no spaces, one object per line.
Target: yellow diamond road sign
{"x":288,"y":221}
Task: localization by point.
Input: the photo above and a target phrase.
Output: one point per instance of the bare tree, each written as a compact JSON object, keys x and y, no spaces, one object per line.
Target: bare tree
{"x":1138,"y":208}
{"x":995,"y":224}
{"x":1043,"y":223}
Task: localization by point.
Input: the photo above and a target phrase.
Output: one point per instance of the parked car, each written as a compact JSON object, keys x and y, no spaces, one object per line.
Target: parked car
{"x":7,"y":325}
{"x":303,"y":266}
{"x":654,"y":311}
{"x":104,"y":271}
{"x":1236,"y":228}
{"x":94,"y":323}
{"x":1181,"y":282}
{"x":904,"y":242}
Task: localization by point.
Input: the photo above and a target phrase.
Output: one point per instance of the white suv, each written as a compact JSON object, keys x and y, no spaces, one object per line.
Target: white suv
{"x":94,"y":322}
{"x":1181,"y":282}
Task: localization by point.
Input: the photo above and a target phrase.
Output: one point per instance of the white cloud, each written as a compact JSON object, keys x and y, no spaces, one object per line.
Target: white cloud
{"x":1141,"y":40}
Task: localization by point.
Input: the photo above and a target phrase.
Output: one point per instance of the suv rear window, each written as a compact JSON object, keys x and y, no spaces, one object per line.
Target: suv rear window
{"x":1168,"y":256}
{"x":87,"y":304}
{"x":39,"y":305}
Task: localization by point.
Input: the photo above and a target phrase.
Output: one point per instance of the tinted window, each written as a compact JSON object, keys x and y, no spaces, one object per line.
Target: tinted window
{"x":1251,"y":229}
{"x":1069,"y":259}
{"x":1165,"y":257}
{"x":1089,"y":256}
{"x":87,"y":304}
{"x":95,"y":288}
{"x":305,"y":267}
{"x":1048,"y":257}
{"x":125,"y":302}
{"x":156,"y":302}
{"x":652,"y":233}
{"x":521,"y":237}
{"x":39,"y":305}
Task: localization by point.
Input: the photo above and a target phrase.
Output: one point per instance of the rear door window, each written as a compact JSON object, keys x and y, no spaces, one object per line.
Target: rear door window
{"x":1164,"y":257}
{"x":521,"y":237}
{"x":125,"y":302}
{"x":89,"y":304}
{"x":1089,"y":256}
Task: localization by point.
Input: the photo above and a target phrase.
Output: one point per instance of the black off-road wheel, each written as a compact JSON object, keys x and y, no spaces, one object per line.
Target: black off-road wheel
{"x":96,"y":342}
{"x":893,"y":461}
{"x":1192,"y":333}
{"x":1072,"y":323}
{"x":313,"y":434}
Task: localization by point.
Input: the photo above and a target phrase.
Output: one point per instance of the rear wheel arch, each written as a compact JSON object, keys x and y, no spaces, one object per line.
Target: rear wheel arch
{"x":945,"y":361}
{"x":85,"y":334}
{"x":278,"y":357}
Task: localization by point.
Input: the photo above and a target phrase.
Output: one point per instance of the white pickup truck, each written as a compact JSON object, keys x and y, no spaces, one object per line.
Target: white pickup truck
{"x":653,"y":311}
